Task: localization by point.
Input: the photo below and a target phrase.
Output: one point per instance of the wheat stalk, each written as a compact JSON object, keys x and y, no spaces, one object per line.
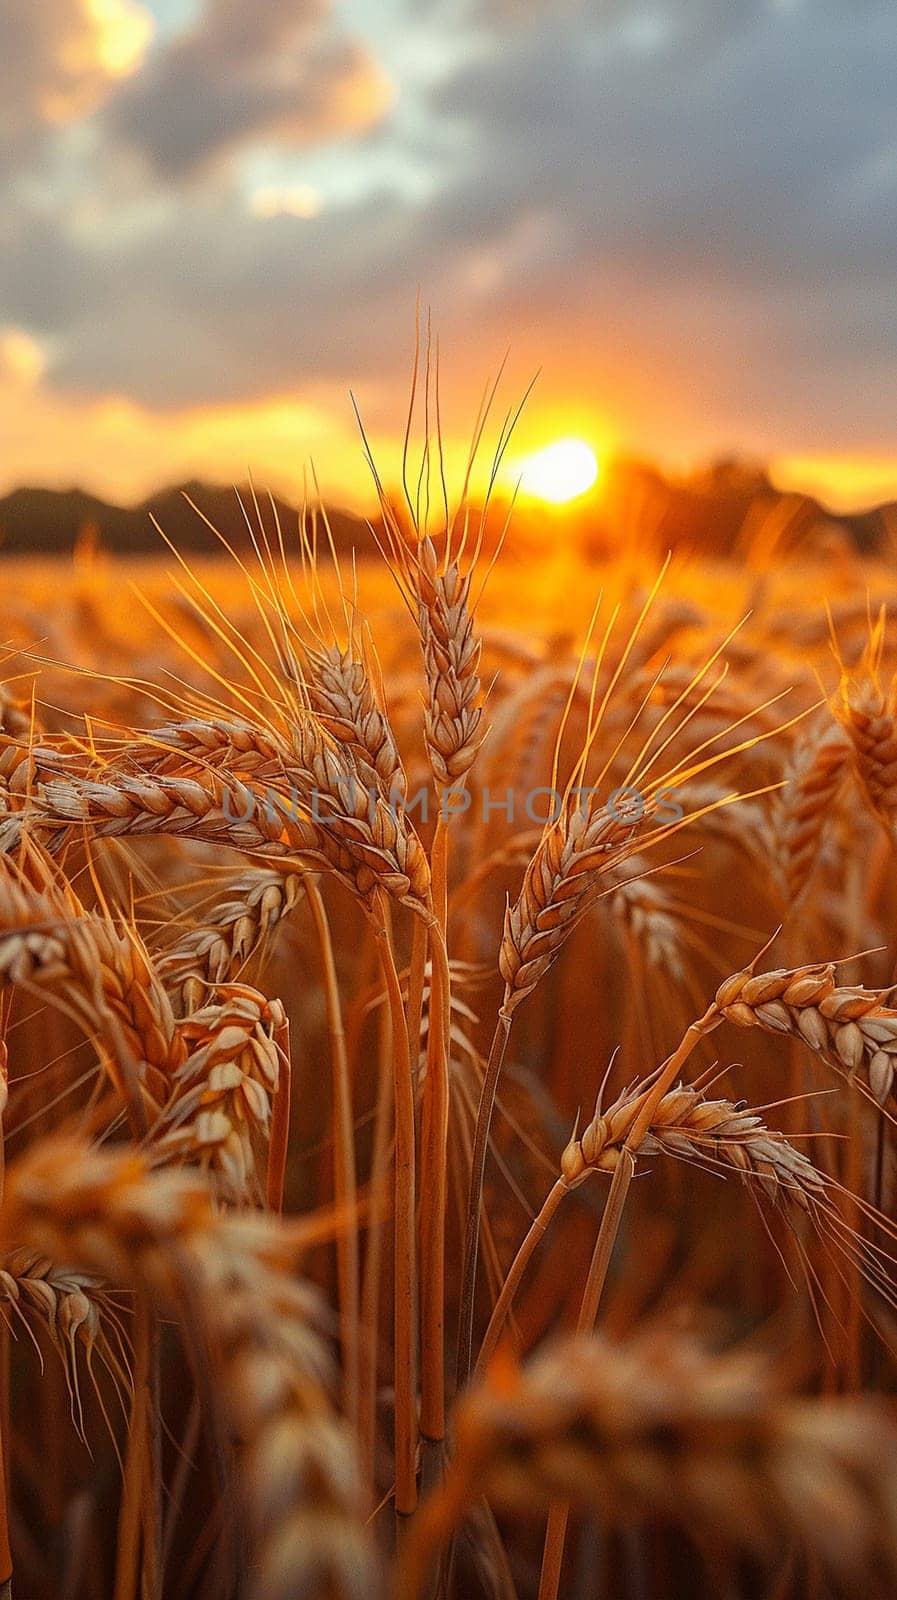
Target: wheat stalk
{"x":435,"y":586}
{"x":667,"y":1431}
{"x":223,"y":1277}
{"x":559,"y":884}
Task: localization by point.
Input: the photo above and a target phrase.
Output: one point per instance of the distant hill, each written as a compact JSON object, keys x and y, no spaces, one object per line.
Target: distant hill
{"x":49,"y":521}
{"x":724,"y":510}
{"x":721,"y":511}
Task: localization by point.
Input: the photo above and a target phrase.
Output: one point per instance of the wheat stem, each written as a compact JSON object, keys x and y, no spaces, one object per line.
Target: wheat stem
{"x":278,"y":1143}
{"x":475,"y":1194}
{"x":434,"y":1153}
{"x":512,"y":1281}
{"x":434,"y":1149}
{"x":370,"y":1297}
{"x":133,"y":1499}
{"x":345,"y":1186}
{"x":558,"y":1513}
{"x":404,"y":1265}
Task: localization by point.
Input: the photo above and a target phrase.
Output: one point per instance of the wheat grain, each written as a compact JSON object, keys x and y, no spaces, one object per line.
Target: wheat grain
{"x":220,"y":1107}
{"x":850,"y":1028}
{"x":868,"y":714}
{"x":232,"y":931}
{"x":686,"y":1124}
{"x":559,"y":884}
{"x":813,"y":780}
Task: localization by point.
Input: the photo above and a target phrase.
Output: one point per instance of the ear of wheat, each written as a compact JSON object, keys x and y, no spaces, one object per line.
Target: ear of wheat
{"x":232,"y":930}
{"x":850,"y":1028}
{"x":559,"y":884}
{"x":367,"y":852}
{"x":220,"y":1107}
{"x":108,"y":1213}
{"x":101,"y":973}
{"x":453,"y":711}
{"x":868,"y":714}
{"x":813,"y":781}
{"x":664,"y":1430}
{"x":78,"y":1315}
{"x":724,"y":1137}
{"x":717,"y":1133}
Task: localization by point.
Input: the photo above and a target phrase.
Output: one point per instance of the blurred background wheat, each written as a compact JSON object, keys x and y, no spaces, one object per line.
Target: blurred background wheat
{"x":293,"y":1255}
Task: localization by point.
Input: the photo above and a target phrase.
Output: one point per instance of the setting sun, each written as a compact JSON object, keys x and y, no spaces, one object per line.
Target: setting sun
{"x":560,"y":472}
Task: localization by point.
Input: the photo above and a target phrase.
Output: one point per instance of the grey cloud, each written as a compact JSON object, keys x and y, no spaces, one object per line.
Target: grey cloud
{"x":35,"y":279}
{"x":51,"y":66}
{"x":221,"y":306}
{"x":269,"y":69}
{"x":717,"y":199}
{"x":731,"y":162}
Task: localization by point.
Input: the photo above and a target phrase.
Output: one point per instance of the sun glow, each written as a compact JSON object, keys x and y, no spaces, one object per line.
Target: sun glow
{"x":286,"y":200}
{"x":562,"y":471}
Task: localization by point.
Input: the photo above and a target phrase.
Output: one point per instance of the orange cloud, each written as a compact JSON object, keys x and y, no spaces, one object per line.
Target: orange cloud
{"x":109,"y":35}
{"x":61,"y":58}
{"x":123,"y":450}
{"x":843,"y":482}
{"x":21,"y":358}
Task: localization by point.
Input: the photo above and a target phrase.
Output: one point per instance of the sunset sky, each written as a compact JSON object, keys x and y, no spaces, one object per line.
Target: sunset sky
{"x":216,"y":216}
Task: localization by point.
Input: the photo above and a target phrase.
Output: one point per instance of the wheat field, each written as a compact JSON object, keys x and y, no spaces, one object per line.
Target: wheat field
{"x":448,"y":1071}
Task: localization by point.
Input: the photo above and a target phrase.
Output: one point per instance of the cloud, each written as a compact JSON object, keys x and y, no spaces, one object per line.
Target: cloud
{"x":684,"y":212}
{"x":21,"y":359}
{"x":62,"y":440}
{"x":267,"y":70}
{"x":60,"y":59}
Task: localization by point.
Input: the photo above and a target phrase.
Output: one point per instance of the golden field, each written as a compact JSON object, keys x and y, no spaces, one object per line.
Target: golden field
{"x":456,"y":1203}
